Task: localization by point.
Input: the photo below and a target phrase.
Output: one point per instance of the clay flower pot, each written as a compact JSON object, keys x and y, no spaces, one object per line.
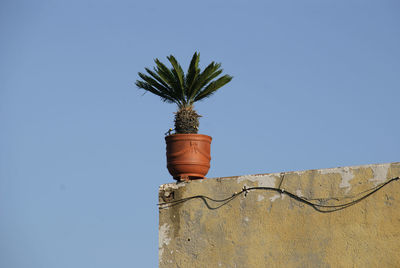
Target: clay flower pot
{"x":188,"y":156}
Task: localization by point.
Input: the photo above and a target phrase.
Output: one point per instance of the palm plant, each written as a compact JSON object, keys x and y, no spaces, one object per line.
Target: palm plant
{"x":173,"y":86}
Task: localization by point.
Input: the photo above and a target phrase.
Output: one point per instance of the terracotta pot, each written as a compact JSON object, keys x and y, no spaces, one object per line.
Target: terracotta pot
{"x":188,"y":156}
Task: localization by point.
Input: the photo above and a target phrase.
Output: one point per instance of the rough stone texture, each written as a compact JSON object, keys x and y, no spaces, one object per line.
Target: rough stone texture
{"x":270,"y":229}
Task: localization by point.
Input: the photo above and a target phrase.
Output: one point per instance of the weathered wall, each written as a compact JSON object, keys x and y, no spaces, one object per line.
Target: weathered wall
{"x":269,"y":229}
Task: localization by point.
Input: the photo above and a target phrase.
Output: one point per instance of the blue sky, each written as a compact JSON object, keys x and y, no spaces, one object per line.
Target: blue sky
{"x":82,"y":153}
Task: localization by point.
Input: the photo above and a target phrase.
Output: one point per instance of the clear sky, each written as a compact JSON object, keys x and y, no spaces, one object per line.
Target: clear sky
{"x":82,"y":152}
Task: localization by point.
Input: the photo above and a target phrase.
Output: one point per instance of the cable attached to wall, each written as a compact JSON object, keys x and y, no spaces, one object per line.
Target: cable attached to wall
{"x":318,"y":207}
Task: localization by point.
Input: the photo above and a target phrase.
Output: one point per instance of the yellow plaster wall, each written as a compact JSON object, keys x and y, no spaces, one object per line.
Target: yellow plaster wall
{"x":270,"y":229}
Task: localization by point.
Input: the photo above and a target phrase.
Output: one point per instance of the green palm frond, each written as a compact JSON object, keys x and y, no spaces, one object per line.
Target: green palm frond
{"x":212,"y":87}
{"x":149,"y":88}
{"x":165,"y":74}
{"x":172,"y":85}
{"x":178,"y":74}
{"x":159,"y":89}
{"x":209,"y":73}
{"x":158,"y":78}
{"x":192,"y":74}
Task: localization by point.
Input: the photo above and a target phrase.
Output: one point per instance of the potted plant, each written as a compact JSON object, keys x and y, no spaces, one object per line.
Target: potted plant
{"x":188,"y":153}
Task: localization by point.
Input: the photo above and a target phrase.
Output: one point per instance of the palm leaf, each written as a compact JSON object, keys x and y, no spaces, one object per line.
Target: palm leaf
{"x":157,"y":77}
{"x":203,"y":79}
{"x":149,"y":88}
{"x":192,"y":73}
{"x":212,"y":87}
{"x":166,"y":91}
{"x":166,"y":74}
{"x":172,"y":85}
{"x":178,"y":74}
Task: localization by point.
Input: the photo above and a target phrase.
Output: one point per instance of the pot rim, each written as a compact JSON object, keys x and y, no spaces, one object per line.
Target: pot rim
{"x":188,"y":137}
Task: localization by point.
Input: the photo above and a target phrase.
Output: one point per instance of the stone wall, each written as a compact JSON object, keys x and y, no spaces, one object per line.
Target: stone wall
{"x":268,"y":228}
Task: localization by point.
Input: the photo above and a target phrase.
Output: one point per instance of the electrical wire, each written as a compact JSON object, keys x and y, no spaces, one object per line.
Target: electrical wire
{"x":318,"y":207}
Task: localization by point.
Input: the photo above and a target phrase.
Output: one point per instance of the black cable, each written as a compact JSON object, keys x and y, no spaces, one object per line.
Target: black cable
{"x":316,"y":206}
